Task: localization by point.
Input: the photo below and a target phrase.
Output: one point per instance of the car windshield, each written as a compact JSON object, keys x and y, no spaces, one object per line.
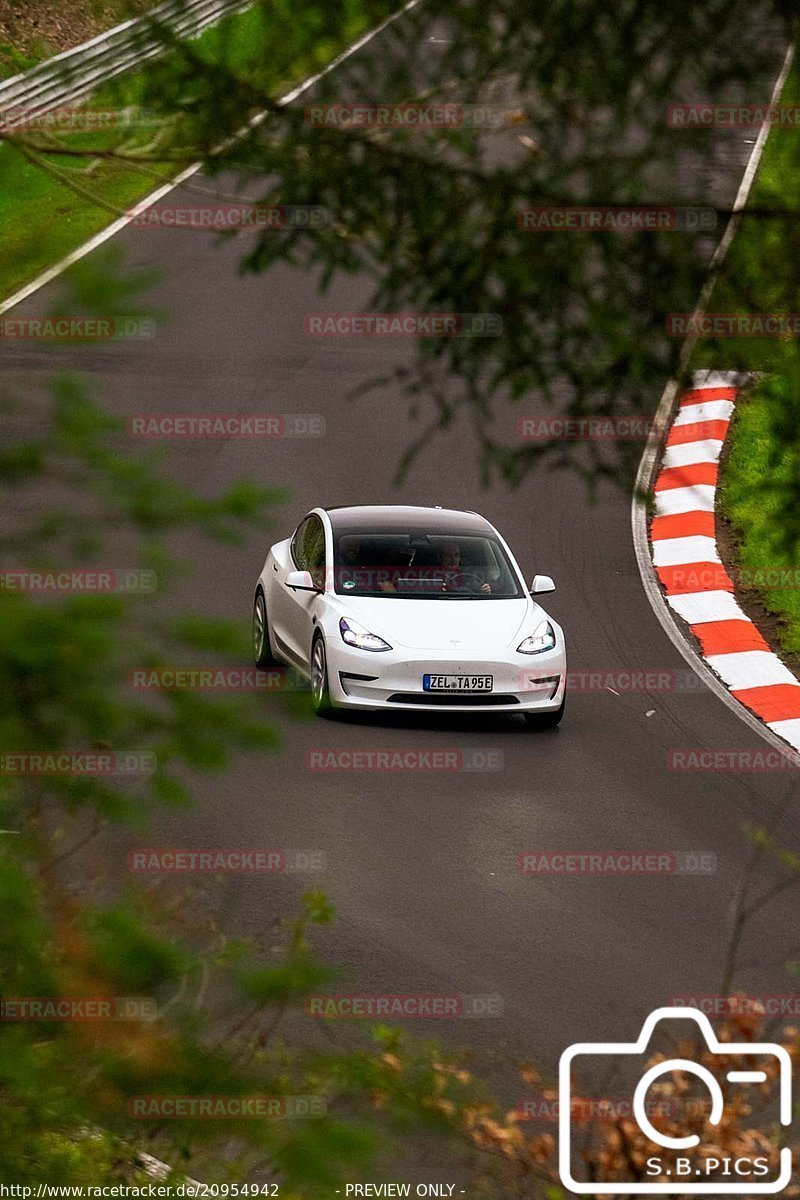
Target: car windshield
{"x":423,"y":566}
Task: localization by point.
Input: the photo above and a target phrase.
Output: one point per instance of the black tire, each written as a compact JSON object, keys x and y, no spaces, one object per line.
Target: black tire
{"x":262,"y":654}
{"x":320,"y":693}
{"x":547,"y":720}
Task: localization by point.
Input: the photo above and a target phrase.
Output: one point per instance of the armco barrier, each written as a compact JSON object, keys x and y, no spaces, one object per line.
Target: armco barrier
{"x":75,"y":74}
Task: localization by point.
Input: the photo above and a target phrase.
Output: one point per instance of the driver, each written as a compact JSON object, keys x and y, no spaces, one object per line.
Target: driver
{"x":454,"y":579}
{"x":449,"y":555}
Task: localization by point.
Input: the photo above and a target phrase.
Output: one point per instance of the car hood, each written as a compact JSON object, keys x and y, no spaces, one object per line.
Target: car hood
{"x":444,"y":624}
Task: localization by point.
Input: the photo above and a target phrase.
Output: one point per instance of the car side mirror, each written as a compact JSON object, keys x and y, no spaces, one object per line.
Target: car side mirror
{"x":300,"y":581}
{"x":542,"y":584}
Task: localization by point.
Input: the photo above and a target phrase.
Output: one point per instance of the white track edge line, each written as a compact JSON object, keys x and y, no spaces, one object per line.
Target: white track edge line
{"x":647,"y":464}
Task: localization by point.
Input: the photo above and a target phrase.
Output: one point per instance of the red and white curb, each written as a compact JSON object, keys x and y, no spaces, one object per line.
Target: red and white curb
{"x":688,"y":565}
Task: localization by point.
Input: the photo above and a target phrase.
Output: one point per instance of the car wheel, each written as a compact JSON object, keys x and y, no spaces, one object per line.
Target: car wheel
{"x":320,"y":695}
{"x":262,"y":654}
{"x":547,"y":720}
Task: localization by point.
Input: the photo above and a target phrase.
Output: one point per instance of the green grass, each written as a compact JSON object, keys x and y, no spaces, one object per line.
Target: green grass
{"x":759,"y":496}
{"x":13,"y":60}
{"x":759,"y":491}
{"x":42,"y":219}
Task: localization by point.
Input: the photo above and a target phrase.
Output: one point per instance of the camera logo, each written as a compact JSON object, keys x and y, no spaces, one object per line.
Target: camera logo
{"x":676,"y":1172}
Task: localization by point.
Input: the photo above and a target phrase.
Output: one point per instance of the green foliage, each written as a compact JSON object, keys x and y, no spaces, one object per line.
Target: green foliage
{"x":215,"y":1004}
{"x":431,"y":220}
{"x":766,"y":844}
{"x":431,"y":217}
{"x":133,"y":958}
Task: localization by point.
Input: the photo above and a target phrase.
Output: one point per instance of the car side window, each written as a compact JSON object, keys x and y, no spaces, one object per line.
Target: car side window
{"x":298,"y":545}
{"x":314,"y":549}
{"x":308,"y":549}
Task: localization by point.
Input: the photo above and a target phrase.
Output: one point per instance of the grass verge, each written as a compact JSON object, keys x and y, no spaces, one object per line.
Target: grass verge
{"x":43,"y":218}
{"x":758,"y":502}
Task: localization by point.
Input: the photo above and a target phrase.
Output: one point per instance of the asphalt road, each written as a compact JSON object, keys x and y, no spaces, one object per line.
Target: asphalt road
{"x":423,"y":867}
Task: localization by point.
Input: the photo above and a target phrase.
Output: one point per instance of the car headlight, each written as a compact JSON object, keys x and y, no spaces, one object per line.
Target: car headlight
{"x":356,"y":635}
{"x":543,"y":638}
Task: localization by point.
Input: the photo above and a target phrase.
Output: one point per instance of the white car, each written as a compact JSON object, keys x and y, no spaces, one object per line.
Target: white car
{"x":405,"y":608}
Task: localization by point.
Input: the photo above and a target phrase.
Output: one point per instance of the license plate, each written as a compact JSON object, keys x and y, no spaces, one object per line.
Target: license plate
{"x":457,"y":683}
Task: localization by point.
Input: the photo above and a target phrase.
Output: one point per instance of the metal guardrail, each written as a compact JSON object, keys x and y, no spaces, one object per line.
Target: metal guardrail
{"x":74,"y":74}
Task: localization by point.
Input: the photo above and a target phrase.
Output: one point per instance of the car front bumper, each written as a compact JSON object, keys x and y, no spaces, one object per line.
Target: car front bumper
{"x":521,"y":683}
